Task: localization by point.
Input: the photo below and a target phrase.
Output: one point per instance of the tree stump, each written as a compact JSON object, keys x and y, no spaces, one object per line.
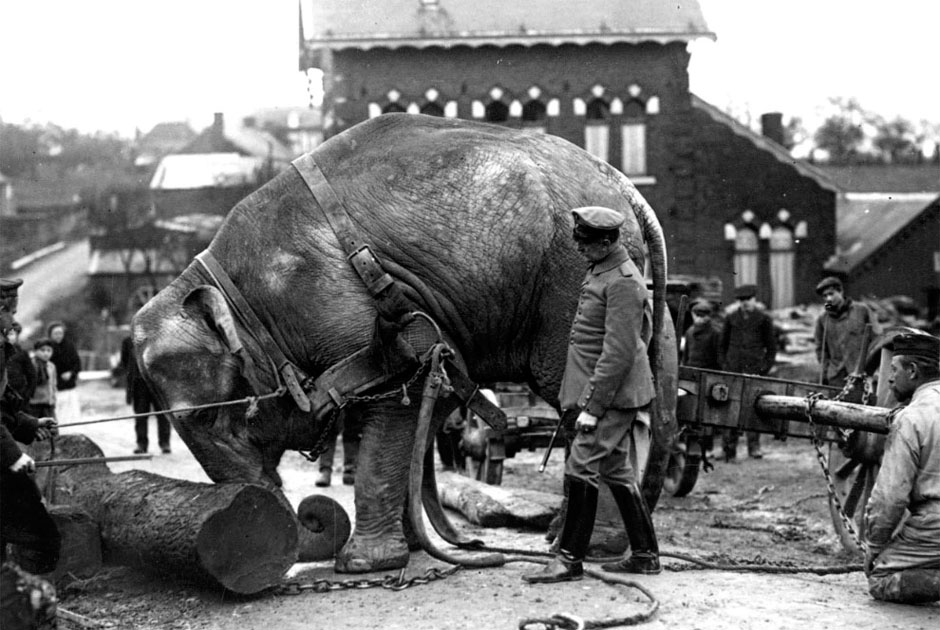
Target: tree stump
{"x":240,"y":536}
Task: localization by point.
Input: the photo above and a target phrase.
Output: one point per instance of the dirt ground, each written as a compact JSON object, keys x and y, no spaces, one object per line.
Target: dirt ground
{"x":772,"y":510}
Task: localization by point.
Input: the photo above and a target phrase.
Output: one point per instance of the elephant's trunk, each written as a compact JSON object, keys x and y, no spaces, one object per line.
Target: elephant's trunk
{"x":429,"y":398}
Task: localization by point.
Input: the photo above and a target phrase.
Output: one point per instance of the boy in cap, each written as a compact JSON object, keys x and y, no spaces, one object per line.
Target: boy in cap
{"x":903,"y":563}
{"x":701,"y":341}
{"x":838,"y":333}
{"x":42,"y":403}
{"x":748,"y":346}
{"x":607,"y":381}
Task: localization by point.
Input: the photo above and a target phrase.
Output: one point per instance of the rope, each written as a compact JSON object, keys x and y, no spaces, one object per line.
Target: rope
{"x":251,"y":401}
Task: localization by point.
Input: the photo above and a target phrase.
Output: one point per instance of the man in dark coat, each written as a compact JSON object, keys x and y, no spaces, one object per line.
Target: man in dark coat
{"x":607,"y":383}
{"x":138,"y":395}
{"x":748,"y":346}
{"x":839,"y":330}
{"x":24,"y":520}
{"x":21,"y":373}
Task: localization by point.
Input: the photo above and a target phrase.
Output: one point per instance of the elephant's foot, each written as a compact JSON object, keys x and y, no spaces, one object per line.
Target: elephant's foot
{"x":361,"y":556}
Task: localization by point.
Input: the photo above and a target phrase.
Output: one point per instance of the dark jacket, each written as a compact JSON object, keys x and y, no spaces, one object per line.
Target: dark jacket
{"x":21,"y":373}
{"x":843,"y":331}
{"x":65,"y":358}
{"x":701,"y":348}
{"x":748,"y":342}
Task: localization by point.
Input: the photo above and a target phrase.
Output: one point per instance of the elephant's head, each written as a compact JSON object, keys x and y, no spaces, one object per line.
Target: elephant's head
{"x":191,"y":353}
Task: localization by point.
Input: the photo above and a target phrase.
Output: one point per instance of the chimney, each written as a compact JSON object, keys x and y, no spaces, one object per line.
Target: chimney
{"x":772,"y":126}
{"x":218,"y":127}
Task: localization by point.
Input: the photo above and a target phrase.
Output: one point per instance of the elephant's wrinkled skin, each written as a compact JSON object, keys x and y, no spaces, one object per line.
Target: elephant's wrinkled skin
{"x":474,"y":218}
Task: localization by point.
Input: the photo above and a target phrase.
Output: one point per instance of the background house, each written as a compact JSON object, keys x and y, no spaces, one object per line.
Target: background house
{"x":612,"y":77}
{"x":889,"y":232}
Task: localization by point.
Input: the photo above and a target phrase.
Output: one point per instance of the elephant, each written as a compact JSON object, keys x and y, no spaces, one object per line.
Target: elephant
{"x":471,"y":220}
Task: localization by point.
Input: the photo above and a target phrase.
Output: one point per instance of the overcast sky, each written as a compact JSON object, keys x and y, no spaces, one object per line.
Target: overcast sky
{"x":117,"y":65}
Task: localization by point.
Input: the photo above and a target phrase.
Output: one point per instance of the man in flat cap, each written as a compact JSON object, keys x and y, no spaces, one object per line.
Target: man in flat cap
{"x":748,"y":346}
{"x":607,"y":384}
{"x":839,"y":331}
{"x":24,"y":520}
{"x":903,"y":563}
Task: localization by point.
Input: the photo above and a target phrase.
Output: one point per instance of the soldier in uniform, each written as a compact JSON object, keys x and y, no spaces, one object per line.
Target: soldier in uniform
{"x":748,"y":346}
{"x":24,"y":520}
{"x":903,"y":512}
{"x":607,"y":380}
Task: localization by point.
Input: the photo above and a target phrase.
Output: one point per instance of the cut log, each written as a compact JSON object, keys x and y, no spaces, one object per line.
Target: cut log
{"x":325,"y":528}
{"x":240,"y":536}
{"x":496,"y":506}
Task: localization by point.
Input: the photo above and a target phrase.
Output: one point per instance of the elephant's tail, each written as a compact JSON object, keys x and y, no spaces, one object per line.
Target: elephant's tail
{"x":664,"y":426}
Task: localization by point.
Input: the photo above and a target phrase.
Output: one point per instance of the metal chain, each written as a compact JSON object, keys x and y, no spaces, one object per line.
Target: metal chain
{"x":390,"y":582}
{"x":824,"y":465}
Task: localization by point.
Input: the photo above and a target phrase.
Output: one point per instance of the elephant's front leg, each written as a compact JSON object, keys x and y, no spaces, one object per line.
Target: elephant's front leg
{"x":378,"y":541}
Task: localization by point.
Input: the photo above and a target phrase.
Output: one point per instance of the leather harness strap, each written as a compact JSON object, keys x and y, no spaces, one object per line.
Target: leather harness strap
{"x":358,"y":252}
{"x":287,"y":372}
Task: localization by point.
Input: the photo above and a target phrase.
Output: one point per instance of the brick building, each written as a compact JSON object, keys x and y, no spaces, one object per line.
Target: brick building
{"x":612,"y":77}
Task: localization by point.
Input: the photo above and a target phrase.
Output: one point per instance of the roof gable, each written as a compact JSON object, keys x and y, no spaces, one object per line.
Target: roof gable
{"x":867,"y":221}
{"x":363,"y":24}
{"x":763,"y":142}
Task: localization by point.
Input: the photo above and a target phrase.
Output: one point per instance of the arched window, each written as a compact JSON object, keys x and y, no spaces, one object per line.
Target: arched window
{"x":433,"y":109}
{"x":782,"y":269}
{"x":534,"y":114}
{"x":745,"y":256}
{"x":596,"y":129}
{"x":497,"y":112}
{"x":394,"y":108}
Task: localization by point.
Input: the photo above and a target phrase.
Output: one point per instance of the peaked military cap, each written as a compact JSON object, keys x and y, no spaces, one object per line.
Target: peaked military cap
{"x":597,"y":217}
{"x":701,"y":306}
{"x":745,"y":291}
{"x":828,"y":281}
{"x":914,"y":345}
{"x":9,"y":287}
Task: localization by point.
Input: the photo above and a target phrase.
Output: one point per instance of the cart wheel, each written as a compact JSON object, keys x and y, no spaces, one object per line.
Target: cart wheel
{"x":853,"y":481}
{"x":682,"y":472}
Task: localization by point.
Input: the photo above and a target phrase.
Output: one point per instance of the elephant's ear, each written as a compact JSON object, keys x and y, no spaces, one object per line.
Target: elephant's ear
{"x":210,"y":302}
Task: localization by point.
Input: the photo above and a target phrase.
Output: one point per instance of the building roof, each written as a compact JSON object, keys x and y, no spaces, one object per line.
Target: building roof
{"x":763,"y":142}
{"x":246,"y":141}
{"x":364,"y":24}
{"x":866,"y":221}
{"x":181,"y":171}
{"x":112,"y":262}
{"x":886,"y":178}
{"x":164,"y":138}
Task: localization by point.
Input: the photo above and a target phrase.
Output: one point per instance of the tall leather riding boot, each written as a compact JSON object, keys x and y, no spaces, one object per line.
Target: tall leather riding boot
{"x":636,"y":518}
{"x":350,"y":457}
{"x":575,"y":536}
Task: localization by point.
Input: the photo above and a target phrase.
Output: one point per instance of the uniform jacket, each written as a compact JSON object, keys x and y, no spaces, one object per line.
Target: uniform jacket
{"x":909,"y":478}
{"x":21,"y":375}
{"x":15,"y":424}
{"x":843,"y":332}
{"x":748,"y":342}
{"x":702,"y":345}
{"x":607,"y":365}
